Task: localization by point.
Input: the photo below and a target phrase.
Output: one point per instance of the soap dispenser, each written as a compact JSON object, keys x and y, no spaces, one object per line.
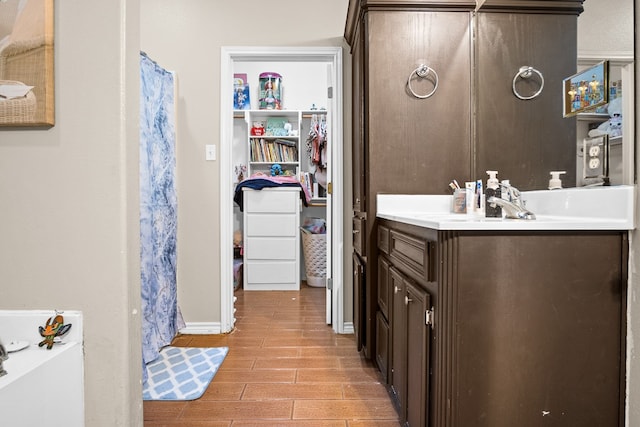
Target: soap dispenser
{"x":555,"y":182}
{"x":492,"y":210}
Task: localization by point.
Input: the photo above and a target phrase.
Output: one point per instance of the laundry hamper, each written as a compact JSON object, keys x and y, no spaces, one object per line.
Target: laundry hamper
{"x":314,"y":248}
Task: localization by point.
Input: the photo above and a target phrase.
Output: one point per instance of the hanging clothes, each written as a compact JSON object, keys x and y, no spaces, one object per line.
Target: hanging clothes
{"x":317,"y":148}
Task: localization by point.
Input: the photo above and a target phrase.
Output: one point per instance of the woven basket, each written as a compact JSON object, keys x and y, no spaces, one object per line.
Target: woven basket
{"x":314,"y":247}
{"x":17,"y":110}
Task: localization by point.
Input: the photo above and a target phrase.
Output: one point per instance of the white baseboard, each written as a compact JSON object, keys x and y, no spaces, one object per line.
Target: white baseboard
{"x":201,"y":328}
{"x":348,"y":328}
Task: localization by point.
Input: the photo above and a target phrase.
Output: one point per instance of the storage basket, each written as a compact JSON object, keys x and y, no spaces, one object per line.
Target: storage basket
{"x":314,"y":247}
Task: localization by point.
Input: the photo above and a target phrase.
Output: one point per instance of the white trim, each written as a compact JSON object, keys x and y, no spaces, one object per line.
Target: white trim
{"x":348,"y":328}
{"x":614,"y":58}
{"x":304,"y":54}
{"x":337,"y":215}
{"x":201,"y":328}
{"x":226,"y":194}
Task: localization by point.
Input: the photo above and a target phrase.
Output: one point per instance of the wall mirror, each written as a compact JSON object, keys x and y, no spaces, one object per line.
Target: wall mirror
{"x":606,"y":39}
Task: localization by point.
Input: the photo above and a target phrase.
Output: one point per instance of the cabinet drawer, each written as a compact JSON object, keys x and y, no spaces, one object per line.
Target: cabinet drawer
{"x":413,"y":252}
{"x":276,"y":248}
{"x":264,"y":225}
{"x":270,"y":272}
{"x":280,"y":200}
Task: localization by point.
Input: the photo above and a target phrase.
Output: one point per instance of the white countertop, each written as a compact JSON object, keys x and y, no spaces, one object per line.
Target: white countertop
{"x":593,"y":208}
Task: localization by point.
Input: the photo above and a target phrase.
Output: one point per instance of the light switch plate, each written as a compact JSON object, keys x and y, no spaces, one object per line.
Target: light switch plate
{"x":210,"y":152}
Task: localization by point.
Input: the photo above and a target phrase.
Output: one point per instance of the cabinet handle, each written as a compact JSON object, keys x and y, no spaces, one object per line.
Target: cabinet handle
{"x":407,"y":300}
{"x":356,"y":231}
{"x":395,"y":289}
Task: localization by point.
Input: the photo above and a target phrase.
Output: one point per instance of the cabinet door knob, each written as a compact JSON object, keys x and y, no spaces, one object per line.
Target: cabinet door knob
{"x":407,"y":300}
{"x":356,"y":231}
{"x":395,"y":289}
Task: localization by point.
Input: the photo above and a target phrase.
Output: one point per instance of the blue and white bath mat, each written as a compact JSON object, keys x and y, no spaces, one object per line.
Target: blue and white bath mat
{"x":182,"y":373}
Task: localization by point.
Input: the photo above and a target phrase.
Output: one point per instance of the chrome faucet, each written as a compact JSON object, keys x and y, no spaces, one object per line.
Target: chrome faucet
{"x":511,"y":209}
{"x":513,"y":205}
{"x":3,"y":356}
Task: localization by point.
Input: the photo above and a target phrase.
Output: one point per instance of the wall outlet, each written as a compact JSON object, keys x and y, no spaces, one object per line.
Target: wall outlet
{"x":596,"y":157}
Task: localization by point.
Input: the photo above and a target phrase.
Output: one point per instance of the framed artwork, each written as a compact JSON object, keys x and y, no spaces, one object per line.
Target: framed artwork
{"x":26,"y":63}
{"x":586,"y":90}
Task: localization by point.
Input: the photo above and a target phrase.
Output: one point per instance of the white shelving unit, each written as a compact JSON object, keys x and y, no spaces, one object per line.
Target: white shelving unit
{"x":287,"y":148}
{"x":273,"y":136}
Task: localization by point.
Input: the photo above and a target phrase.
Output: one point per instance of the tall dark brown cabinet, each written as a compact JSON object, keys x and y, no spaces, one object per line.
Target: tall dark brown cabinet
{"x":473,"y":122}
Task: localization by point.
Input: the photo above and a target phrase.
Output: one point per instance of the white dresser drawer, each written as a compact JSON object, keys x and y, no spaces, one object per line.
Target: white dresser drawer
{"x":285,"y":225}
{"x":272,"y":201}
{"x":271,"y":272}
{"x":275,"y":248}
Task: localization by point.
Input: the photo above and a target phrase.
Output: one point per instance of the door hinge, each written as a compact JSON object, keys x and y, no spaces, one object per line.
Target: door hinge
{"x":330,"y":92}
{"x":330,"y":283}
{"x":429,"y":317}
{"x":330,"y":188}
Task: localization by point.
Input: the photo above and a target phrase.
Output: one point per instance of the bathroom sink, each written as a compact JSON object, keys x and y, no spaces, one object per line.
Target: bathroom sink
{"x":599,"y":208}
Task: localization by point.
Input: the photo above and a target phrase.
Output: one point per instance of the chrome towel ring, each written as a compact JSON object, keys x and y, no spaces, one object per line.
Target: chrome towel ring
{"x":424,"y":72}
{"x":526,"y":72}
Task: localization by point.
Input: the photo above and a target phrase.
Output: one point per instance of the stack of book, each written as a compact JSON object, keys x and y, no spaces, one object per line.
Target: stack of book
{"x":277,"y":150}
{"x":306,"y":180}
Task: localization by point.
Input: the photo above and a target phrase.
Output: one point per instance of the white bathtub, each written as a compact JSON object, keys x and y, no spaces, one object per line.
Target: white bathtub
{"x":42,"y":387}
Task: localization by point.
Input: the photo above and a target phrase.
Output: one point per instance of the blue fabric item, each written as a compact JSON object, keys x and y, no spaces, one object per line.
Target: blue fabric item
{"x":259,"y":184}
{"x":161,"y":318}
{"x":182,"y":373}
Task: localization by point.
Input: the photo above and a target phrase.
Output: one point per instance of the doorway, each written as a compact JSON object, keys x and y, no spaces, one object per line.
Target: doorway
{"x":231,"y":57}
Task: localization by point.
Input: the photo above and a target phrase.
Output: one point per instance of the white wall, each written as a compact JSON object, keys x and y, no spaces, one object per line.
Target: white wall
{"x":606,"y":26}
{"x":69,"y":203}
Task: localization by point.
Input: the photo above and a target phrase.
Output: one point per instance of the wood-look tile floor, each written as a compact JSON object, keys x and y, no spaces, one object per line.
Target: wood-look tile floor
{"x":285,"y":367}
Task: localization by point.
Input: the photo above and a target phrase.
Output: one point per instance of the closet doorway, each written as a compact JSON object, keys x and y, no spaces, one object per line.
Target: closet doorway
{"x":233,"y":61}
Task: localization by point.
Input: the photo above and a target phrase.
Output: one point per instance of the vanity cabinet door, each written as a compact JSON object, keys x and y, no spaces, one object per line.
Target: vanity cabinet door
{"x":384,"y":290}
{"x":382,"y":346}
{"x":418,"y":303}
{"x":358,"y":144}
{"x":398,"y":378}
{"x":382,"y":317}
{"x":359,"y":289}
{"x":414,"y":146}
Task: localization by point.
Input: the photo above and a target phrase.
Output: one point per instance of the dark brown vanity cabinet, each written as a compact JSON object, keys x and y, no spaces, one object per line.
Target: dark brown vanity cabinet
{"x":405,"y":276}
{"x":503,"y":329}
{"x":473,"y":122}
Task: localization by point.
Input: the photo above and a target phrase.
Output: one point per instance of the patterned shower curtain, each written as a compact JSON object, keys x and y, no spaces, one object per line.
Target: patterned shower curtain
{"x":161,"y":317}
